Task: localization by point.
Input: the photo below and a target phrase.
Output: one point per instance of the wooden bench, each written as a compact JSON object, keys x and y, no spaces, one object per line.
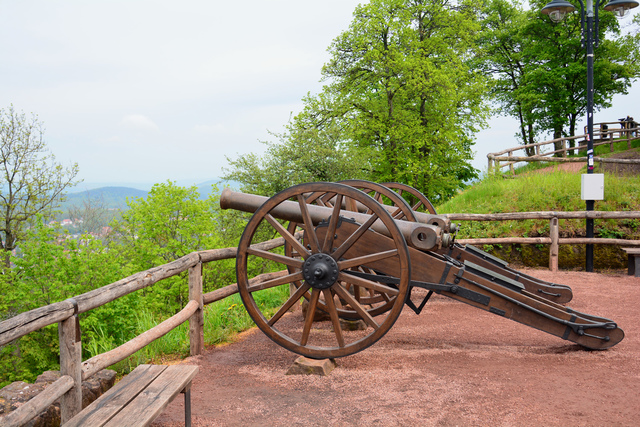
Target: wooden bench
{"x":634,"y":261}
{"x":140,"y":397}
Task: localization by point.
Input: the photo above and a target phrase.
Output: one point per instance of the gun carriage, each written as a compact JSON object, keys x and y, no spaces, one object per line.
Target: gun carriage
{"x":356,"y":250}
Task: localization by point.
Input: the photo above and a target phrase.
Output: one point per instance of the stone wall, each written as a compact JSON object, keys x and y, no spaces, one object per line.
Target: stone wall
{"x":19,"y":392}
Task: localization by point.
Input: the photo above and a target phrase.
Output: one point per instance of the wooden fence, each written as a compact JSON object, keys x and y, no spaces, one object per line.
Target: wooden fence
{"x":554,"y":239}
{"x":68,"y":387}
{"x":74,"y":371}
{"x":602,"y":136}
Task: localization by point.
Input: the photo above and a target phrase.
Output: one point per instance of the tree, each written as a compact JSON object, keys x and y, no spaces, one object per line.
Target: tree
{"x":171,"y":222}
{"x":540,"y":67}
{"x":301,"y":155}
{"x":401,"y":78}
{"x":50,"y":267}
{"x":93,"y":214}
{"x":401,"y":102}
{"x":506,"y":60}
{"x":32,"y":182}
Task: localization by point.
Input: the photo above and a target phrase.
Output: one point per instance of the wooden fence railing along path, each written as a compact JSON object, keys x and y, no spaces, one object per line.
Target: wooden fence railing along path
{"x":602,"y":136}
{"x":554,"y":239}
{"x":73,"y":370}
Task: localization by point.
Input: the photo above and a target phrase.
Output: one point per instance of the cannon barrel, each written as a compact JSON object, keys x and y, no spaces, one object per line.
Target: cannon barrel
{"x":420,"y":236}
{"x":437,"y":220}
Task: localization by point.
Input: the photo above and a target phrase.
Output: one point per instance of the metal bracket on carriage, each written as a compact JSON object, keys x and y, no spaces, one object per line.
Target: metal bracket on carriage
{"x":326,"y":222}
{"x":470,"y":254}
{"x":452,"y":288}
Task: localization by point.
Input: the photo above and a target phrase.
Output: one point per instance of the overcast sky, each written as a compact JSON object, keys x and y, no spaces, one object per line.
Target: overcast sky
{"x":141,"y":91}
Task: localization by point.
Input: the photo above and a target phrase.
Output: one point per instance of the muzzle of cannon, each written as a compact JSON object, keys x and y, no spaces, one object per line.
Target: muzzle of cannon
{"x":363,"y":249}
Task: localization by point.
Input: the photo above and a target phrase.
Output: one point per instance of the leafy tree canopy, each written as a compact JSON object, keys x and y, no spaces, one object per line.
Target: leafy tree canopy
{"x":540,"y":68}
{"x":400,"y":89}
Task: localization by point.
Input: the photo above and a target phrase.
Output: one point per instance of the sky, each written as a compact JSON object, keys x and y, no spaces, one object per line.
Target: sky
{"x":141,"y":91}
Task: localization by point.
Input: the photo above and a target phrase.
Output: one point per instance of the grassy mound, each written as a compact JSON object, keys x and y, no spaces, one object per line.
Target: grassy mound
{"x":547,"y":191}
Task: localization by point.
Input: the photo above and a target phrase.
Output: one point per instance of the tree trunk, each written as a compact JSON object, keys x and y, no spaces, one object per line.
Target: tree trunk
{"x":572,"y":132}
{"x":557,"y":133}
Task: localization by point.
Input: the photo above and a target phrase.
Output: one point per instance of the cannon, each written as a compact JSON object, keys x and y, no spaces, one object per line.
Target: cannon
{"x":356,"y":250}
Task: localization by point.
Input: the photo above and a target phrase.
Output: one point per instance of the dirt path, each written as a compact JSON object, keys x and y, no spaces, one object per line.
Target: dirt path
{"x":452,"y":365}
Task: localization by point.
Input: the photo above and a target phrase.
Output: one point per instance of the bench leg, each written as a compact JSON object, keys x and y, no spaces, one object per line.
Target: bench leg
{"x":634,"y":265}
{"x":187,"y":405}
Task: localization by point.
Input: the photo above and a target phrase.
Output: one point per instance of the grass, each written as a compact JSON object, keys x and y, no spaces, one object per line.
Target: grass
{"x":223,"y":320}
{"x":553,"y":191}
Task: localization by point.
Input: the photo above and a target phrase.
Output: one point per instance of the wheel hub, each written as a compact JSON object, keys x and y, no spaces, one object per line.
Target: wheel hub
{"x":320,"y":271}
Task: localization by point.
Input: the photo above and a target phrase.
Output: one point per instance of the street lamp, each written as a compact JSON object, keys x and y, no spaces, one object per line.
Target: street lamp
{"x":557,"y":9}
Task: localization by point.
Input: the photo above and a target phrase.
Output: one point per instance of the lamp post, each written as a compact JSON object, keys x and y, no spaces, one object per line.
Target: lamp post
{"x":557,"y":9}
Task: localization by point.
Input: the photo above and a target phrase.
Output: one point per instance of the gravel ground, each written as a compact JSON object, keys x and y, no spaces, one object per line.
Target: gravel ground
{"x":451,"y":365}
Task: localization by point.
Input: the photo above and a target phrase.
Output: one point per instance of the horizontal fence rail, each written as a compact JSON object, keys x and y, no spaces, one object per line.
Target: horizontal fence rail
{"x":554,"y":231}
{"x":603,"y":136}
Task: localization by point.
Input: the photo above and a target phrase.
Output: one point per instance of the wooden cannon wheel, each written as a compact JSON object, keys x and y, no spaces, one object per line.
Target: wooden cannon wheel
{"x":414,"y":198}
{"x":374,"y":301}
{"x":385,"y":196}
{"x":322,"y":266}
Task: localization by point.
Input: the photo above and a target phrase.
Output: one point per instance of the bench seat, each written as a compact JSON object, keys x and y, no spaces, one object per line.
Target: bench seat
{"x":634,"y":261}
{"x":139,"y":397}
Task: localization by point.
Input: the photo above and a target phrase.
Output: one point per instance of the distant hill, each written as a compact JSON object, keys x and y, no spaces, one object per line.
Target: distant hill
{"x":113,"y":197}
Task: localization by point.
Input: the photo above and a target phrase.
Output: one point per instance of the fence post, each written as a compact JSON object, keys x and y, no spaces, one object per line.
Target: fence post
{"x":629,"y":137}
{"x":610,"y":142}
{"x":511,"y":164}
{"x":553,"y":250}
{"x":70,"y":364}
{"x":196,"y":321}
{"x":564,"y":147}
{"x":537,"y":150}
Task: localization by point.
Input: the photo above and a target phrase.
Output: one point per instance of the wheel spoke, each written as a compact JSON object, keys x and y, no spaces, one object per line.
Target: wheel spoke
{"x":398,"y":214}
{"x":351,"y":205}
{"x":377,"y":196}
{"x":311,"y":310}
{"x":308,"y":225}
{"x":293,"y":262}
{"x":356,"y":293}
{"x":289,"y":303}
{"x":276,"y":282}
{"x":333,"y":313}
{"x":356,"y":306}
{"x":333,"y":224}
{"x":287,"y":236}
{"x":367,"y":259}
{"x":324,"y":200}
{"x":369,"y":284}
{"x":353,"y":238}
